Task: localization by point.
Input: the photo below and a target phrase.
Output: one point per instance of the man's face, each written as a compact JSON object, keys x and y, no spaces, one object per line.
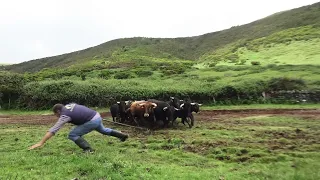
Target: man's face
{"x":57,"y":113}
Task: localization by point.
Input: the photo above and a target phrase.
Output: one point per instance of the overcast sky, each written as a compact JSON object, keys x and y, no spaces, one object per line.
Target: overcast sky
{"x":31,"y":29}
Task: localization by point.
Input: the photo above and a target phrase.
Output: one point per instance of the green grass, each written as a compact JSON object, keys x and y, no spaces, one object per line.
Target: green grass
{"x":258,"y":147}
{"x":295,"y":53}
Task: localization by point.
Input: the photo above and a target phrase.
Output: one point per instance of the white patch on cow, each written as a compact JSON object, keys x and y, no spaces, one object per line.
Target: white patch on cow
{"x":118,"y":102}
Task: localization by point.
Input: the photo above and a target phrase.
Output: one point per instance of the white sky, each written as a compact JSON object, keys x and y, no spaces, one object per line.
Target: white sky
{"x":31,"y":29}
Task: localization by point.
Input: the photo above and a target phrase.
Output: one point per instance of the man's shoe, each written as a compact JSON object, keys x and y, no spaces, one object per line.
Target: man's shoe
{"x":121,"y":136}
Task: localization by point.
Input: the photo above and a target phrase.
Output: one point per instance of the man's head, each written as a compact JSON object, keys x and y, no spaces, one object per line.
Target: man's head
{"x":57,"y":109}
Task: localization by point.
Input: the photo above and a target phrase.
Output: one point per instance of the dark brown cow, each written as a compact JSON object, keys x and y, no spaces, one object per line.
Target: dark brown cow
{"x":142,"y":109}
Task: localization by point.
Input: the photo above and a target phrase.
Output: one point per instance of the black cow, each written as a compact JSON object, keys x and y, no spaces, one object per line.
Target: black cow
{"x":163,"y":112}
{"x":175,"y":102}
{"x":185,"y":112}
{"x":118,"y":111}
{"x":195,"y":107}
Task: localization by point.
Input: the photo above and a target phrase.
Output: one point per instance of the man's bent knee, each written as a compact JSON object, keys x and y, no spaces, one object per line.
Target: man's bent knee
{"x":73,"y":137}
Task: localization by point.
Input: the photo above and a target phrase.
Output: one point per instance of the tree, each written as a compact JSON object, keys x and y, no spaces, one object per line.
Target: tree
{"x":10,"y":86}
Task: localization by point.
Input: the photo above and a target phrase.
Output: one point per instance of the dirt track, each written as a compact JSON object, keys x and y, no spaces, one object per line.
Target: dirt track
{"x":202,"y":116}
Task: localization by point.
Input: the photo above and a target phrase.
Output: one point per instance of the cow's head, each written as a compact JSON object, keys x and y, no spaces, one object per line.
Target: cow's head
{"x":195,"y":107}
{"x":175,"y":102}
{"x":186,"y":107}
{"x":148,"y":108}
{"x":169,"y":112}
{"x":122,"y":106}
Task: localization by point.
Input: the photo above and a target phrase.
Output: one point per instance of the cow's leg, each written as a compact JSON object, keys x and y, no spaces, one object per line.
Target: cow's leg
{"x":188,"y":121}
{"x":192,"y":119}
{"x":183,"y":120}
{"x":118,"y":118}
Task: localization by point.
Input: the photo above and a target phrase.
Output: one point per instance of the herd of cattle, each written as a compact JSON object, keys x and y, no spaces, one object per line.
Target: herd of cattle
{"x":154,"y":113}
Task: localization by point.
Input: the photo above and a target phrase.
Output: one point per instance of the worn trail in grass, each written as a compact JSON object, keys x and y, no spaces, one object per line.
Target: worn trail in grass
{"x":220,"y":146}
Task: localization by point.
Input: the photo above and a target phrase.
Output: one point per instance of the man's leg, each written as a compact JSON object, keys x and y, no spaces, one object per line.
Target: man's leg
{"x":76,"y":134}
{"x":110,"y":132}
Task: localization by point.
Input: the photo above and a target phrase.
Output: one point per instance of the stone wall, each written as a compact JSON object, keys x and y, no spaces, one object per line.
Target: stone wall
{"x":293,"y":96}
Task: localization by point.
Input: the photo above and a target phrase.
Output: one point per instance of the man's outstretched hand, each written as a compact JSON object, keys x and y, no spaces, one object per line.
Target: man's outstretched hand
{"x":36,"y":146}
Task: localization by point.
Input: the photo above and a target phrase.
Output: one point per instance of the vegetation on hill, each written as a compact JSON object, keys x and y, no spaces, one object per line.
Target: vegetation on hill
{"x":226,"y":67}
{"x":190,"y":48}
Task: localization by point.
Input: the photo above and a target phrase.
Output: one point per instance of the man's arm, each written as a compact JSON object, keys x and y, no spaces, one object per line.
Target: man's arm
{"x":62,"y":120}
{"x":47,"y":136}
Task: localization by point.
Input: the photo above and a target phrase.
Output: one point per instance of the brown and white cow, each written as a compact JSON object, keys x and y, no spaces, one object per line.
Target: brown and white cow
{"x":142,"y":110}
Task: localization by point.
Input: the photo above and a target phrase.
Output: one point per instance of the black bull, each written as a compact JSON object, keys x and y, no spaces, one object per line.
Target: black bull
{"x":185,"y":112}
{"x":163,"y":112}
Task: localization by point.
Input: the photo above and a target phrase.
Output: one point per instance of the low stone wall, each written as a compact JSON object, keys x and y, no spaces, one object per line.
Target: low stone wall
{"x":293,"y":96}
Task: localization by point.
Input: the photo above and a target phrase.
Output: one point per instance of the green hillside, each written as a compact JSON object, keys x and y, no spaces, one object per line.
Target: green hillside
{"x":233,"y":66}
{"x":129,"y":50}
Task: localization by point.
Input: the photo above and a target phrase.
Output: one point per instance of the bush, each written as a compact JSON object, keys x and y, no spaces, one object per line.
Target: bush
{"x":10,"y":88}
{"x":105,"y":74}
{"x":123,"y":75}
{"x":173,"y":69}
{"x":222,"y":68}
{"x":284,"y":83}
{"x":212,"y":64}
{"x":242,"y":62}
{"x":255,"y":63}
{"x":143,"y":73}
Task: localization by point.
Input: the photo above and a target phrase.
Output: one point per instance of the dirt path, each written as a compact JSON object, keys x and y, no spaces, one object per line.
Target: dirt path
{"x":203,"y":115}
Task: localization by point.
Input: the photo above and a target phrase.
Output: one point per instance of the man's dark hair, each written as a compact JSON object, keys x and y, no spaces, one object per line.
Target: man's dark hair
{"x":57,"y":107}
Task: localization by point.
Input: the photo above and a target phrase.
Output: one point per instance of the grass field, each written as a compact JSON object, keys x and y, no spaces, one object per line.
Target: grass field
{"x":220,"y":146}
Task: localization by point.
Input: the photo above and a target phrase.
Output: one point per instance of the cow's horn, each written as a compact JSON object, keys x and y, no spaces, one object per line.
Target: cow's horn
{"x":165,"y":108}
{"x":118,"y":102}
{"x":192,"y":103}
{"x":181,"y":105}
{"x":154,"y":104}
{"x":171,"y":97}
{"x":176,"y":109}
{"x":141,"y":104}
{"x":200,"y":104}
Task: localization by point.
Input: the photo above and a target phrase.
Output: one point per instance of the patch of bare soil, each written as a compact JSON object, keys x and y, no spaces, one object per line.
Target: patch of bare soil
{"x":218,"y":115}
{"x":28,"y":119}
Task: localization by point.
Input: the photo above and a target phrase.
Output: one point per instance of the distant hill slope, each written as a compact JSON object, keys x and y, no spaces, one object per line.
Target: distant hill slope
{"x":300,"y":23}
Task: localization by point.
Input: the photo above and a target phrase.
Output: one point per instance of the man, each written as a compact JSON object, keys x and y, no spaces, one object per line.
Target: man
{"x":85,"y":119}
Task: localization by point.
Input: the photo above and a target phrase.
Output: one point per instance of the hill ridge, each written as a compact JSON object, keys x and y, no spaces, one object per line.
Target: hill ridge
{"x":183,"y":48}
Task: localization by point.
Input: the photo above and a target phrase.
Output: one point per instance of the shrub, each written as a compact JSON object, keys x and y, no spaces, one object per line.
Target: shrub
{"x":255,"y":63}
{"x":242,"y":62}
{"x":105,"y":74}
{"x":212,"y":64}
{"x":10,"y":87}
{"x":284,"y":83}
{"x":222,"y":68}
{"x":143,"y":73}
{"x":169,"y":70}
{"x":123,"y":75}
